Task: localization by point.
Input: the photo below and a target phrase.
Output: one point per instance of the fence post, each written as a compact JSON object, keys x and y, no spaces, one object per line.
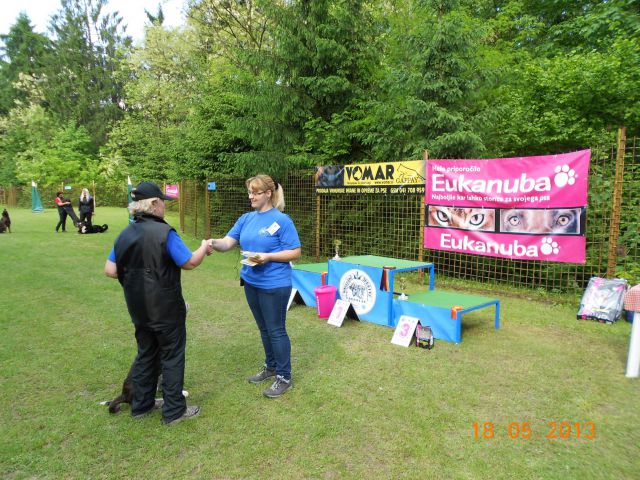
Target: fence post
{"x":425,"y":157}
{"x":181,"y":204}
{"x":317,"y":227}
{"x":195,"y":213}
{"x":614,"y":229}
{"x":207,"y":210}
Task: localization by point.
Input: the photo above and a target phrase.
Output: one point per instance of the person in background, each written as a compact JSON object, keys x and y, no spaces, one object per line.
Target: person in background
{"x":61,"y":203}
{"x":272,"y":241}
{"x":147,"y":259}
{"x":85,"y":207}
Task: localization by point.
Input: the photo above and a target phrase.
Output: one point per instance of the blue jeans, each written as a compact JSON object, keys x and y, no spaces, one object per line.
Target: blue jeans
{"x":269,"y":308}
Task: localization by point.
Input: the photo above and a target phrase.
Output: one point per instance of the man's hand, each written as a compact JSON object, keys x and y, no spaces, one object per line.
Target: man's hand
{"x":208,"y":245}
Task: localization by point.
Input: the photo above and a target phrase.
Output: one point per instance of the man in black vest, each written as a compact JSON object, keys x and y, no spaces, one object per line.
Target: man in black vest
{"x":147,"y":259}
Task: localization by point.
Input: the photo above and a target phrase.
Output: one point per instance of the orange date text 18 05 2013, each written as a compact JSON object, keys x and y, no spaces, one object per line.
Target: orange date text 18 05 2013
{"x":526,"y":431}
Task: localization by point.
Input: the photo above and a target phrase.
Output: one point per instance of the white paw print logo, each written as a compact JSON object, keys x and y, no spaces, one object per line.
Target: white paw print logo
{"x":565,"y":175}
{"x":549,"y":246}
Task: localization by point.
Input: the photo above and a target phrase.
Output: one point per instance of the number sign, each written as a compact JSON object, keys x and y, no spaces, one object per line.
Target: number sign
{"x":338,"y":312}
{"x":404,"y":330}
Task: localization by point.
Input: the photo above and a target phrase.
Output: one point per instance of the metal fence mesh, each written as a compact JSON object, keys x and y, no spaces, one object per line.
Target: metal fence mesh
{"x":392,"y":225}
{"x":389,"y":225}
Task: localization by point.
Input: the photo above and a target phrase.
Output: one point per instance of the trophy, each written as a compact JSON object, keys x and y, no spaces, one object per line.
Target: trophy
{"x":336,"y":244}
{"x":403,"y":286}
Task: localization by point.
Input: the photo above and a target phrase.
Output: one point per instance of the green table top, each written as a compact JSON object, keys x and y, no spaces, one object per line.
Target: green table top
{"x":312,"y":267}
{"x":379,"y":262}
{"x":445,"y":299}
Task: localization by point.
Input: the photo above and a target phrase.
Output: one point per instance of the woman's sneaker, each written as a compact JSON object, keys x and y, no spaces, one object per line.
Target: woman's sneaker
{"x":278,"y":387}
{"x":262,"y":375}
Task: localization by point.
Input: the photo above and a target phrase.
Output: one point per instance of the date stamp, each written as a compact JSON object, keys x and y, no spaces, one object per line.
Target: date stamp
{"x":525,"y":431}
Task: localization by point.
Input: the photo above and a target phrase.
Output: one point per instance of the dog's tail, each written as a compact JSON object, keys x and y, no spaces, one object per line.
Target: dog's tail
{"x":114,"y":405}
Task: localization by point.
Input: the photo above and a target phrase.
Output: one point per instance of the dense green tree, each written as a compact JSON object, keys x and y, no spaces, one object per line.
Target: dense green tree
{"x":571,"y":75}
{"x":34,"y":146}
{"x":175,"y":104}
{"x":81,"y":83}
{"x":232,"y":29}
{"x":298,"y":92}
{"x":23,"y":51}
{"x":429,"y":93}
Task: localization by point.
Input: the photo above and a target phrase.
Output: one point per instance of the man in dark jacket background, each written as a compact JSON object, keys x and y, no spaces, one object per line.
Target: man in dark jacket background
{"x":147,"y":259}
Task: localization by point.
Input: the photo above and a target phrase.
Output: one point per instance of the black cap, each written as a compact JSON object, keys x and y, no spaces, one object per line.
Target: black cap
{"x":146,"y":190}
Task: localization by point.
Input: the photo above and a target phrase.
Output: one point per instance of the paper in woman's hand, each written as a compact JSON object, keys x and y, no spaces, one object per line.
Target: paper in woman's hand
{"x":248,"y":258}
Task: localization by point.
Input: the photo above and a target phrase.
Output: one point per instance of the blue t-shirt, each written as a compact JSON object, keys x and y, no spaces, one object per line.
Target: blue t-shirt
{"x":266,"y":232}
{"x":176,"y":248}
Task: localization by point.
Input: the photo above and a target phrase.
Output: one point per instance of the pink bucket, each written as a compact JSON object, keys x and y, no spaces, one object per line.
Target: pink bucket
{"x":325,"y":299}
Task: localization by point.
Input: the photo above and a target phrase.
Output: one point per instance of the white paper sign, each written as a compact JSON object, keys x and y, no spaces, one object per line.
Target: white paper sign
{"x":404,"y":330}
{"x":294,"y":291}
{"x":338,"y":313}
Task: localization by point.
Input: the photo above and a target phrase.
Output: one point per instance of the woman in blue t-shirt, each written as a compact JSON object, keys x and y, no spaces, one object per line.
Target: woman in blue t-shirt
{"x":269,"y":241}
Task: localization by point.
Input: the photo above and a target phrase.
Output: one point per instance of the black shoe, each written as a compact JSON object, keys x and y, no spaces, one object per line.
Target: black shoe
{"x":262,"y":375}
{"x":278,"y":387}
{"x":191,"y":411}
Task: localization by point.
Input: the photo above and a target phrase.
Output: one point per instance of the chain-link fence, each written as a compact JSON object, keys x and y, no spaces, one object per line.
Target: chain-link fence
{"x":390,"y":225}
{"x":113,"y":196}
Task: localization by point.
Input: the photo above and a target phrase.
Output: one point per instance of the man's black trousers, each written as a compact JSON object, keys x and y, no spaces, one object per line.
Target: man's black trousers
{"x":168,"y":343}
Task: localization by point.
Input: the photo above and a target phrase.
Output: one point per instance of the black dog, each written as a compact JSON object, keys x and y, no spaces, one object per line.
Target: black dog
{"x":85,"y":228}
{"x":127,"y":390}
{"x":5,"y":222}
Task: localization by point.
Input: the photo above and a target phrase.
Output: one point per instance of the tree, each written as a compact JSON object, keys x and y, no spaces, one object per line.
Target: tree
{"x":81,"y":83}
{"x":231,"y":29}
{"x":428,"y":96}
{"x":158,"y":18}
{"x":571,"y":75}
{"x":24,"y":51}
{"x":175,"y":107}
{"x":298,"y":94}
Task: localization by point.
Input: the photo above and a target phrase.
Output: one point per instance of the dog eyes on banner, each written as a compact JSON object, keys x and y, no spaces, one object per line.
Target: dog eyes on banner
{"x":462,"y":218}
{"x":558,"y":221}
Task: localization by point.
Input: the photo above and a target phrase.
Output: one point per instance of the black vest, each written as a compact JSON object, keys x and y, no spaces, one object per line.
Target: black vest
{"x":85,"y":206}
{"x":149,"y":277}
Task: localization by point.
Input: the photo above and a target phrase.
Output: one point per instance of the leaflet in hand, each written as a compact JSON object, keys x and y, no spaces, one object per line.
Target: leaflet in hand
{"x":248,"y":256}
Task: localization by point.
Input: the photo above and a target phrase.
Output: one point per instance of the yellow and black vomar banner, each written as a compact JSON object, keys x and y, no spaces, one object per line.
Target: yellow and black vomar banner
{"x":403,"y":178}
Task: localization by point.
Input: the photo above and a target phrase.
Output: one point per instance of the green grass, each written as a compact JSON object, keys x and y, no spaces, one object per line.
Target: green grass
{"x":360,"y":408}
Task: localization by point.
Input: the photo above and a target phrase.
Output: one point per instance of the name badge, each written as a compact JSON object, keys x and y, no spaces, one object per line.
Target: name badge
{"x":273,"y":228}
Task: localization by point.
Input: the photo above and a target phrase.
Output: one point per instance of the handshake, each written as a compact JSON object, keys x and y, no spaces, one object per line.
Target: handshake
{"x":224,"y":244}
{"x":208,"y":245}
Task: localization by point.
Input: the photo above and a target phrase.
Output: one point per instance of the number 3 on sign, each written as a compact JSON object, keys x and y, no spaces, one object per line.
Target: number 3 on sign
{"x":404,"y":330}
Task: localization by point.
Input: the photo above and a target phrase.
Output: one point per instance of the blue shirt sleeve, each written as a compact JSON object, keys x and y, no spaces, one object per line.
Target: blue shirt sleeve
{"x":236,"y":230}
{"x":289,"y":238}
{"x":176,"y":249}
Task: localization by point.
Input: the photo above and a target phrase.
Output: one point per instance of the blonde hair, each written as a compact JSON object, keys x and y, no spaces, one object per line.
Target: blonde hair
{"x":85,"y":194}
{"x":147,"y":205}
{"x":265,"y":182}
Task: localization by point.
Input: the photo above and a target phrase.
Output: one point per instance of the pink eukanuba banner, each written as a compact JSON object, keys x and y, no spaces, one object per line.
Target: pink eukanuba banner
{"x":525,"y":208}
{"x":549,"y":248}
{"x":549,"y":181}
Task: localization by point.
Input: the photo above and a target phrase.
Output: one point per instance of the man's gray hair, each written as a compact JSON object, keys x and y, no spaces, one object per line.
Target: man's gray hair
{"x":143,"y":206}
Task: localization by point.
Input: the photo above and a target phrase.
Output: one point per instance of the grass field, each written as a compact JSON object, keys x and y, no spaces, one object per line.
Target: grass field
{"x":361,"y":407}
